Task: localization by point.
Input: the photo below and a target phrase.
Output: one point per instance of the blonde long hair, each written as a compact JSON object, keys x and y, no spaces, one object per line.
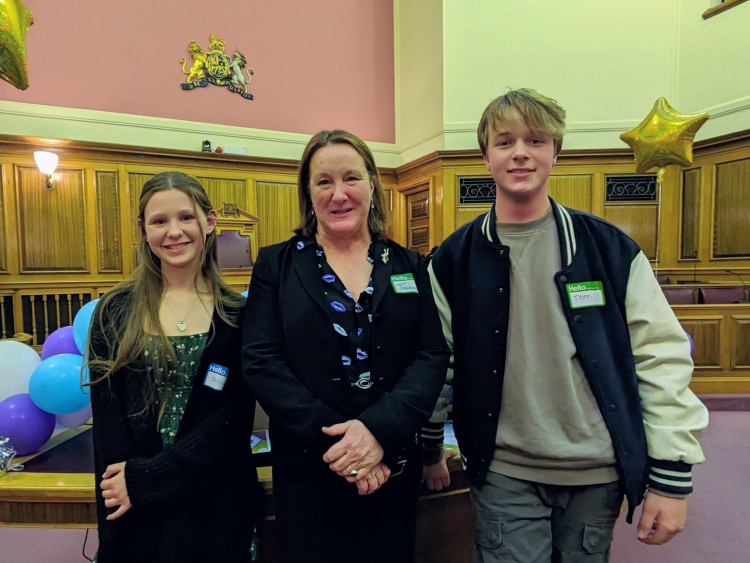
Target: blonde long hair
{"x":133,"y":304}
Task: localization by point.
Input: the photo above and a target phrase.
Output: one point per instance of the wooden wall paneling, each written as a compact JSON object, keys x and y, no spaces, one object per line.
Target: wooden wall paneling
{"x":418,"y":219}
{"x":127,"y":256}
{"x":706,"y":332}
{"x":598,"y":192}
{"x":572,"y":191}
{"x":222,"y":191}
{"x":396,"y":221}
{"x":388,"y":198}
{"x":277,"y":209}
{"x":3,"y":236}
{"x":52,"y":223}
{"x":108,"y":234}
{"x":7,"y":328}
{"x":467,"y":213}
{"x":438,"y":202}
{"x":690,"y":211}
{"x":136,"y":179}
{"x":722,"y":357}
{"x":706,"y":220}
{"x":731,"y":210}
{"x":639,"y":221}
{"x":667,"y":214}
{"x":426,"y":171}
{"x":740,"y":342}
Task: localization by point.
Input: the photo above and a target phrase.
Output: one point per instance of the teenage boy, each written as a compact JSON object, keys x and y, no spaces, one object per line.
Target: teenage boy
{"x":570,"y":373}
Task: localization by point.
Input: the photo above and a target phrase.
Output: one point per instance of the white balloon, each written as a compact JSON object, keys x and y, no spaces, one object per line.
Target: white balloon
{"x":17,"y":362}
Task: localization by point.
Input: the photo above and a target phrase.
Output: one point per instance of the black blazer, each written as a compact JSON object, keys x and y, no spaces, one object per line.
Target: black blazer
{"x":198,"y":499}
{"x":291,"y":354}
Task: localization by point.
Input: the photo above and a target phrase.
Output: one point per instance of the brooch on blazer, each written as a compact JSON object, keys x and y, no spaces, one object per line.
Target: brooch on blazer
{"x":385,"y":255}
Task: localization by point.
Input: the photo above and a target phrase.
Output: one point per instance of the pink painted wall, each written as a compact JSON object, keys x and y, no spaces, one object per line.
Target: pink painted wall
{"x":318,"y":64}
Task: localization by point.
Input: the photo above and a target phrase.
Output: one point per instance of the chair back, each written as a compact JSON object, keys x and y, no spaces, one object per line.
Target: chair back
{"x":723,"y":294}
{"x":679,"y":295}
{"x":233,"y":249}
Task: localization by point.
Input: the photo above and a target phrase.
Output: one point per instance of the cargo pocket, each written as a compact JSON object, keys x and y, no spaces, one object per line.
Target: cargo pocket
{"x":487,"y":530}
{"x":597,"y":536}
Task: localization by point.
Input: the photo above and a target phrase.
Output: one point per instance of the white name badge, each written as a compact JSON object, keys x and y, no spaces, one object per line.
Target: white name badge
{"x":585,"y":294}
{"x":404,"y":283}
{"x":216,"y":377}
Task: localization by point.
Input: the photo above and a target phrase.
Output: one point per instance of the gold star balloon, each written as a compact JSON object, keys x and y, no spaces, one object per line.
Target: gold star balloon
{"x":664,"y":137}
{"x":15,"y":19}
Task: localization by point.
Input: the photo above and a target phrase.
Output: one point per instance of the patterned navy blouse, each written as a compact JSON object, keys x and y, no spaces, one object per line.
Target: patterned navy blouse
{"x":351,"y":319}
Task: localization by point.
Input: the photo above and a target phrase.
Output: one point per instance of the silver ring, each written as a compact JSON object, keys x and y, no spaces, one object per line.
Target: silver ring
{"x":352,"y":472}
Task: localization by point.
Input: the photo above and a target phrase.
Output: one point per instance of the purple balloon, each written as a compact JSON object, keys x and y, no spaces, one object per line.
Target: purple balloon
{"x":26,"y":426}
{"x":692,"y":344}
{"x":60,"y":341}
{"x":74,"y":419}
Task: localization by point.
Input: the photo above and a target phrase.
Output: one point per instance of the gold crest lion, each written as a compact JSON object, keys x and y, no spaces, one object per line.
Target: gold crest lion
{"x":215,"y":67}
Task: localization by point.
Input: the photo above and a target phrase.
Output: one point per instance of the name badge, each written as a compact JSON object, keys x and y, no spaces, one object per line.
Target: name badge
{"x":585,"y":294}
{"x":216,"y":377}
{"x":404,"y":283}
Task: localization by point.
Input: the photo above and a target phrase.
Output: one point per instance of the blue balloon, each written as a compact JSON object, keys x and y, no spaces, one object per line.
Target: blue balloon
{"x":82,"y":323}
{"x":55,"y":384}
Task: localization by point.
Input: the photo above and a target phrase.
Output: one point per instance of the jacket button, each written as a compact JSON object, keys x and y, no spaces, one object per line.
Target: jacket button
{"x":489,"y":415}
{"x":494,"y":372}
{"x":500,"y":290}
{"x":578,"y":319}
{"x":611,"y":408}
{"x":594,"y":364}
{"x":502,"y":253}
{"x":563,"y":278}
{"x":497,"y":331}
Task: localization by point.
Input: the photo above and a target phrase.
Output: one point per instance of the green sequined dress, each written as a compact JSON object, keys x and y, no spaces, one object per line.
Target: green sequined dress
{"x":176,"y":386}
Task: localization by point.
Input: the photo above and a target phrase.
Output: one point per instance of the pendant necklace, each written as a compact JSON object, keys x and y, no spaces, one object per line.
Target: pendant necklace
{"x":181,"y":324}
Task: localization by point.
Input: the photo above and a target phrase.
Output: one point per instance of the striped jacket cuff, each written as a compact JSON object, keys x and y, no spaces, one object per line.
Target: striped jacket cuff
{"x":432,"y":443}
{"x":673,"y":477}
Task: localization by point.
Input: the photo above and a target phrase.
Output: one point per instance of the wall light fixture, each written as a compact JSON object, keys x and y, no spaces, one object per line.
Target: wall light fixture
{"x":46,"y":162}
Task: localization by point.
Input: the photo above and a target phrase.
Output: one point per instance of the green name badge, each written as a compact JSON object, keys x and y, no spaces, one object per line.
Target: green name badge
{"x":404,"y":283}
{"x":585,"y":294}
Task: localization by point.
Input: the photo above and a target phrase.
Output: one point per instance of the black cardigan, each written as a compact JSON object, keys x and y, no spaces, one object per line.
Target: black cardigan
{"x":196,"y":500}
{"x":292,"y":362}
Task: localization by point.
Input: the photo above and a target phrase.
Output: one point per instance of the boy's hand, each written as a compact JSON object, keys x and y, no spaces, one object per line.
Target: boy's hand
{"x":437,"y":476}
{"x":662,"y":518}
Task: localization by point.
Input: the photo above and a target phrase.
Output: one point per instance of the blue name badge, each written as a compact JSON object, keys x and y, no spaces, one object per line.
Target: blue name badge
{"x":216,"y":377}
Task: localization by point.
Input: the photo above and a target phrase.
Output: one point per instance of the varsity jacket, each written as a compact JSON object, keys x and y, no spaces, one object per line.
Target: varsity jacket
{"x":196,"y":500}
{"x":632,"y":349}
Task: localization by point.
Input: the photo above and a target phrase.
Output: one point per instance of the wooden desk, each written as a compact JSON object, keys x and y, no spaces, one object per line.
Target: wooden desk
{"x":66,"y":500}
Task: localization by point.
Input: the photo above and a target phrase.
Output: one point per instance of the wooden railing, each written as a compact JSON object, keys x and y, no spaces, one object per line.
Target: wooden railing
{"x":39,"y":311}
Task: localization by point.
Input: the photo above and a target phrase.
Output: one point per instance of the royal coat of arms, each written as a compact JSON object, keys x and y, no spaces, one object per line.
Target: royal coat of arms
{"x":214,"y":67}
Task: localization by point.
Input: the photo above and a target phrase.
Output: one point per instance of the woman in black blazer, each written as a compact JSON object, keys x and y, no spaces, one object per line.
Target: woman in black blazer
{"x":344,"y":350}
{"x":172,"y":415}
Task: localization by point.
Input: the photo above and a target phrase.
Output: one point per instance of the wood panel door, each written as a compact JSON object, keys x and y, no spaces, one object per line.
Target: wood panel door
{"x":418,"y":221}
